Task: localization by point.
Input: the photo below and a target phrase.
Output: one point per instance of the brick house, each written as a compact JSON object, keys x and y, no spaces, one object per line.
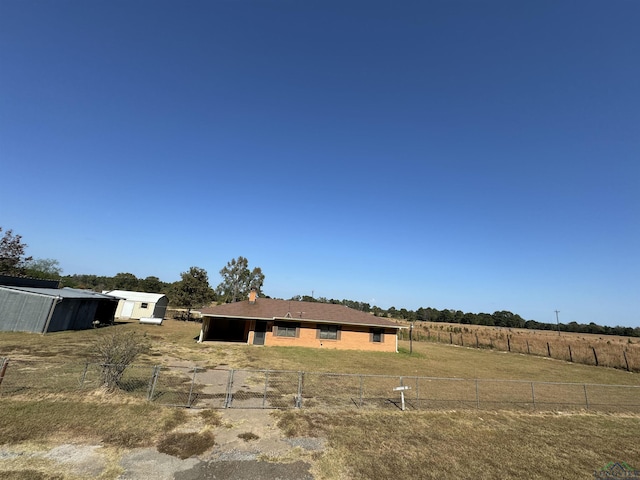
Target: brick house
{"x":265,"y":321}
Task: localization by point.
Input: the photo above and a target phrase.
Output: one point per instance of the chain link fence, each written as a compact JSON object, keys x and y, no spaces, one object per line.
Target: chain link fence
{"x":198,"y":387}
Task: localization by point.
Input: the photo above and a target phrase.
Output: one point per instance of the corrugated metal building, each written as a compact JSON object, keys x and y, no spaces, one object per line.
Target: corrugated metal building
{"x":41,"y":310}
{"x":137,"y":305}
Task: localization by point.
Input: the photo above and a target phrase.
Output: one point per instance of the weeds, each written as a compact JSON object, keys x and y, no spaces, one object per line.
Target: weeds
{"x":185,"y":445}
{"x":248,"y":436}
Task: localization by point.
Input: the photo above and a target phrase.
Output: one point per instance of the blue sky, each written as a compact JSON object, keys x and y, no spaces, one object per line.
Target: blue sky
{"x":474,"y":155}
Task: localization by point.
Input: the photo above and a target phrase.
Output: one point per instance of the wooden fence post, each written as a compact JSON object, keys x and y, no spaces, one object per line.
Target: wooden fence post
{"x":528,"y":351}
{"x":595,"y":355}
{"x":509,"y":343}
{"x":450,"y":338}
{"x":477,"y":342}
{"x":570,"y":355}
{"x":624,"y":354}
{"x":548,"y":349}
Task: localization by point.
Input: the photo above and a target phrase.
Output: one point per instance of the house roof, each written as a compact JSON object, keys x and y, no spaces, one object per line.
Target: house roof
{"x":135,"y":296}
{"x":61,"y":292}
{"x":292,"y":310}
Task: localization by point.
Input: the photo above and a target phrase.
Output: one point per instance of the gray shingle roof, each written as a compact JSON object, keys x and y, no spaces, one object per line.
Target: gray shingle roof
{"x":62,"y":292}
{"x":268,"y":309}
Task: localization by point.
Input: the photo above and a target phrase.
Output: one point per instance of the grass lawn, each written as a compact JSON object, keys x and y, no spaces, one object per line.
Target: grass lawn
{"x":466,"y":444}
{"x":362,"y":444}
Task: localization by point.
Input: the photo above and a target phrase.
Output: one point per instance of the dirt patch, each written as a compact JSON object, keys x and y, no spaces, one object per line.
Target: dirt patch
{"x":248,"y":445}
{"x":247,"y":470}
{"x":149,"y":464}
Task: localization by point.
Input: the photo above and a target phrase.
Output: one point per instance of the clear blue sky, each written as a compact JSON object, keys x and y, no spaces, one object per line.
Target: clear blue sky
{"x":474,"y":155}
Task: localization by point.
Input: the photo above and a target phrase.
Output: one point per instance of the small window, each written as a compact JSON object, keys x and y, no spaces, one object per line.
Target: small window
{"x":285,"y":329}
{"x":329,"y":332}
{"x":144,"y":305}
{"x":376,"y":335}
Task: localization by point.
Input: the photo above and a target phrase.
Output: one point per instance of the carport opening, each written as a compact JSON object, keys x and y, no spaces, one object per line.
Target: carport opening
{"x":226,"y":330}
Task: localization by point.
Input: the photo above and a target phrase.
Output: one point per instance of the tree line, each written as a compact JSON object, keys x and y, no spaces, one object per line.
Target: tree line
{"x":237,"y":280}
{"x":502,"y":318}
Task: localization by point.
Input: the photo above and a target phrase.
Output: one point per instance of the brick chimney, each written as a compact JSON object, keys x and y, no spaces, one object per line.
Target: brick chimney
{"x":252,"y":295}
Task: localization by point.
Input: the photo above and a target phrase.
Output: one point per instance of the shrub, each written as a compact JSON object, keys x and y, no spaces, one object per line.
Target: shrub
{"x":115,"y":351}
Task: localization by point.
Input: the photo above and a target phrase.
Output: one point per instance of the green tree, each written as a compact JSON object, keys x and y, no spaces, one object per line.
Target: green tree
{"x":152,"y":285}
{"x":12,"y":256}
{"x":193,"y":290}
{"x":125,"y":281}
{"x":46,"y":268}
{"x":238,"y":280}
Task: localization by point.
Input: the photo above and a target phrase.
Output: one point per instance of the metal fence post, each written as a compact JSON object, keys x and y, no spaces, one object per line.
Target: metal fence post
{"x":266,"y":386}
{"x":3,"y":369}
{"x":152,"y":383}
{"x":84,"y":374}
{"x":533,"y":396}
{"x":477,"y":396}
{"x":228,"y":398}
{"x":299,"y":397}
{"x":361,"y":389}
{"x":586,"y":398}
{"x":193,"y":381}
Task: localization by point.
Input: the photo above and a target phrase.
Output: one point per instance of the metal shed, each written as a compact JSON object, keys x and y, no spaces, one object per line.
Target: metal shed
{"x":137,"y":305}
{"x":41,"y":310}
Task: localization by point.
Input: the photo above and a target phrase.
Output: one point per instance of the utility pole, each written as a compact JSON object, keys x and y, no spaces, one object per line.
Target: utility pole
{"x":558,"y":321}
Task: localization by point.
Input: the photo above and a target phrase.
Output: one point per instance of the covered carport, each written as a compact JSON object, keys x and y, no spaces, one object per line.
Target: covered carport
{"x":225,"y":329}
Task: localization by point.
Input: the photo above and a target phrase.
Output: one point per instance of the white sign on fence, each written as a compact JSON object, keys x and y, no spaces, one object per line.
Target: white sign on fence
{"x":401,"y":389}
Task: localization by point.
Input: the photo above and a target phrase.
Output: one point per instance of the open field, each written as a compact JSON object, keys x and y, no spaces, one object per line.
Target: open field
{"x":590,"y":349}
{"x":360,"y":444}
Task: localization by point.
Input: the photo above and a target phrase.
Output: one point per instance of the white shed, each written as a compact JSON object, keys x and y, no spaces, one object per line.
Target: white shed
{"x":137,"y":305}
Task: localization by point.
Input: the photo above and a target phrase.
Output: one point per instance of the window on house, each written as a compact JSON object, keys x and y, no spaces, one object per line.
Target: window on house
{"x":144,"y":305}
{"x":376,"y":335}
{"x":285,"y":329}
{"x":329,"y":332}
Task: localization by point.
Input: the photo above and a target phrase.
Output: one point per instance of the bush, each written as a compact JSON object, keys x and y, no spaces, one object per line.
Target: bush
{"x":115,"y":351}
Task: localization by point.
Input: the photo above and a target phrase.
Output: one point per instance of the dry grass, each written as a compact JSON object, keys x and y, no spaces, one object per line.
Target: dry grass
{"x":248,"y":436}
{"x":186,"y":444}
{"x":372,"y":444}
{"x":608,"y":350}
{"x":115,"y":424}
{"x":422,"y":445}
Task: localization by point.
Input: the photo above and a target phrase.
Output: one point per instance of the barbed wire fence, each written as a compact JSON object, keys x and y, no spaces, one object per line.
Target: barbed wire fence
{"x":199,"y":387}
{"x":576,"y":350}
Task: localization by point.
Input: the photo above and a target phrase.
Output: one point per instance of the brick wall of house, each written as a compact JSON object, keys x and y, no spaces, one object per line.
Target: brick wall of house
{"x":350,"y":338}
